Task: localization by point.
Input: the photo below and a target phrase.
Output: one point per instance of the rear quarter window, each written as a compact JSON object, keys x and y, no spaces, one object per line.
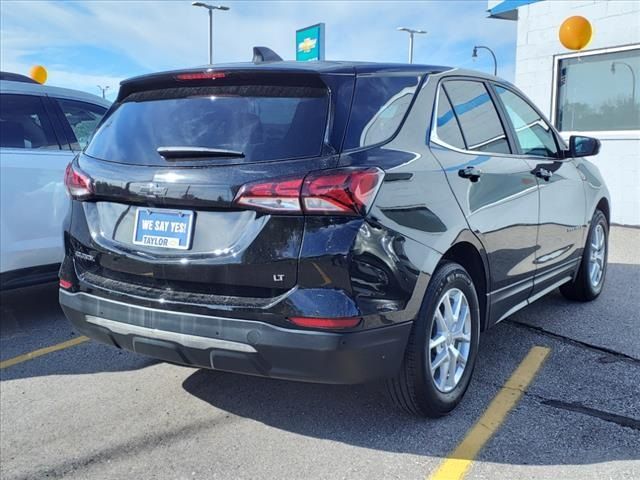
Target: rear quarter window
{"x":82,"y":118}
{"x":379,"y":106}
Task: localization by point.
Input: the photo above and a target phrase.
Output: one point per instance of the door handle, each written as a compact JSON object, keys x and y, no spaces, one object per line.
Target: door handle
{"x":542,"y":173}
{"x":472,"y":173}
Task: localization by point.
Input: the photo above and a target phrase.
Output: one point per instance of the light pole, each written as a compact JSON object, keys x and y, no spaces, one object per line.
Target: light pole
{"x":411,"y":32}
{"x":633,"y":78}
{"x":210,"y":8}
{"x":104,"y":90}
{"x":495,"y":62}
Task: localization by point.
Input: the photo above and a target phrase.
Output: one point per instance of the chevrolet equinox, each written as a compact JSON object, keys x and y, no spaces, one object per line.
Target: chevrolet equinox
{"x":332,"y":222}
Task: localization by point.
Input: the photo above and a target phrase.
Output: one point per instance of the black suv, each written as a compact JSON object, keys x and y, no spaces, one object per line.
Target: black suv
{"x":329,"y":222}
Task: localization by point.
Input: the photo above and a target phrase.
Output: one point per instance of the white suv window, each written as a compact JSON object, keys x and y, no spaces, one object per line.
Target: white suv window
{"x":83,"y":118}
{"x":24,"y":123}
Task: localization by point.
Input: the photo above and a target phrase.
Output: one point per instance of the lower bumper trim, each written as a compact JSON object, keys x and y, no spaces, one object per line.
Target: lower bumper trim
{"x":239,"y":345}
{"x":189,"y":341}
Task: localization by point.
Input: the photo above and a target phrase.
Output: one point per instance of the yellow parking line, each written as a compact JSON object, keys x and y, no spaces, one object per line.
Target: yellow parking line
{"x":455,"y":466}
{"x":42,"y":351}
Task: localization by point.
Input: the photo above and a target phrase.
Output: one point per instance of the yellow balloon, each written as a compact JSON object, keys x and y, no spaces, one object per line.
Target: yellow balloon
{"x":575,"y":33}
{"x":38,"y":73}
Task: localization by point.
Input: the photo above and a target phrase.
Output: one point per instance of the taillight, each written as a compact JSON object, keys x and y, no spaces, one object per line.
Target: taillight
{"x":200,"y":76}
{"x":275,"y":196}
{"x":77,"y":182}
{"x":321,"y":322}
{"x":346,"y":191}
{"x":65,"y":284}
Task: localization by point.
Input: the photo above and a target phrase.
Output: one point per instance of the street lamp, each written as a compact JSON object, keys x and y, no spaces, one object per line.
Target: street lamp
{"x":495,"y":62}
{"x":104,"y":90}
{"x":210,"y":8}
{"x":633,"y":78}
{"x":411,"y":32}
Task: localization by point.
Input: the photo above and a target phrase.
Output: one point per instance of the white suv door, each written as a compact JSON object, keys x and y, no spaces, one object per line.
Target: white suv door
{"x":32,"y":197}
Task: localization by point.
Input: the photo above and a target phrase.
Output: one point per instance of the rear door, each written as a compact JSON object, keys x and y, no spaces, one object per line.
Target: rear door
{"x":33,"y":201}
{"x":213,"y":140}
{"x":562,"y":218}
{"x":494,"y":187}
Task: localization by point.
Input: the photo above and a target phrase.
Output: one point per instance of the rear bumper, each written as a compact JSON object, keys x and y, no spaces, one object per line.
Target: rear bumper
{"x":240,"y":346}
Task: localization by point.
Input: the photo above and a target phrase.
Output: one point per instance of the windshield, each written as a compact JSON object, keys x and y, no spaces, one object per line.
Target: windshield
{"x":261,"y":122}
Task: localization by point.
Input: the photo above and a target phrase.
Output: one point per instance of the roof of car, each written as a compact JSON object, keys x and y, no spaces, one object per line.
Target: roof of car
{"x":324,"y":67}
{"x":27,"y":88}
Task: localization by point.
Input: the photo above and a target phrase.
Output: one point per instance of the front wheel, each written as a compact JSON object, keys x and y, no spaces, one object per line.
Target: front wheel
{"x":593,"y":267}
{"x":442,"y":348}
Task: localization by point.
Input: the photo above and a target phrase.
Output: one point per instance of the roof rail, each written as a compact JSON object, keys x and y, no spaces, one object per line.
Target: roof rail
{"x":265,"y":54}
{"x":16,"y":77}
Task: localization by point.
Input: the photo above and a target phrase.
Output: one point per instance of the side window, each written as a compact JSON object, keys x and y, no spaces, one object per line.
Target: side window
{"x":533,"y":133}
{"x":379,"y":105}
{"x":24,"y":123}
{"x":478,"y":117}
{"x":447,"y":128}
{"x":83,"y":118}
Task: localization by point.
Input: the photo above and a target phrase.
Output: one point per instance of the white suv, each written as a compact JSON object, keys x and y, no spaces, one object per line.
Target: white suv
{"x":41,"y":129}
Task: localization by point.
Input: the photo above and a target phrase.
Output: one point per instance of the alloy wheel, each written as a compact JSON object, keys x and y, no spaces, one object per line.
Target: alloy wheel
{"x":450,"y":340}
{"x":597,"y":256}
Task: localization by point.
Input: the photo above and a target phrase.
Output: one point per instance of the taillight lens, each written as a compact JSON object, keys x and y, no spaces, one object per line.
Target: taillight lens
{"x":343,"y":192}
{"x":274,"y":196}
{"x":78,"y":183}
{"x":200,"y":76}
{"x":346,"y":191}
{"x":321,"y":322}
{"x":65,"y":284}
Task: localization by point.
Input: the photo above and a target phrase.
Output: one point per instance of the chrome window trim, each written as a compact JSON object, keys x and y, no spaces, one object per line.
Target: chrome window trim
{"x":433,"y":136}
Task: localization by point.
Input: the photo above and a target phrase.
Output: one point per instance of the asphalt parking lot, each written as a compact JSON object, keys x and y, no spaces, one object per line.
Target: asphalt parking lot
{"x":91,"y":411}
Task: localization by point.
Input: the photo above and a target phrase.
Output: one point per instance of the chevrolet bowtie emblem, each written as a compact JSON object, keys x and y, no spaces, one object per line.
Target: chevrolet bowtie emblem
{"x":307,"y":45}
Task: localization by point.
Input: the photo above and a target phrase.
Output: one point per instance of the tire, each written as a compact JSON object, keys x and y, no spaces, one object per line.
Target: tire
{"x":415,"y":389}
{"x":583,"y":288}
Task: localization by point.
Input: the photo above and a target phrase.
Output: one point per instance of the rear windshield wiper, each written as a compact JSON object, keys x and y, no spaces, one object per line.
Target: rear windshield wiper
{"x":177,"y":153}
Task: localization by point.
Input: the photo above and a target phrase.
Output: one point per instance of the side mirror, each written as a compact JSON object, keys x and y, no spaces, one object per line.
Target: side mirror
{"x":580,"y":146}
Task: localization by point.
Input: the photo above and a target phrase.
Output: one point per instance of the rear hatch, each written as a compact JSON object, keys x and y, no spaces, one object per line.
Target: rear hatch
{"x":167,"y":164}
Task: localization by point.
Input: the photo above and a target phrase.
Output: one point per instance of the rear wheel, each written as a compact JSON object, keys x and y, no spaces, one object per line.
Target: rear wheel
{"x":593,"y":268}
{"x":442,"y":348}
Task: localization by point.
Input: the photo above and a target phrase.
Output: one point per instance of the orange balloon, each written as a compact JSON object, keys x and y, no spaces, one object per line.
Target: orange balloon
{"x":575,"y":33}
{"x":38,"y":73}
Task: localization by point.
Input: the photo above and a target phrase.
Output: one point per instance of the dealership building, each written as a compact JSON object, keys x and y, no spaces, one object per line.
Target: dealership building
{"x":594,"y":91}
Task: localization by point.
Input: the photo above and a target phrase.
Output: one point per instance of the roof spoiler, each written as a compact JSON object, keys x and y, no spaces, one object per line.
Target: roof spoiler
{"x":265,"y":54}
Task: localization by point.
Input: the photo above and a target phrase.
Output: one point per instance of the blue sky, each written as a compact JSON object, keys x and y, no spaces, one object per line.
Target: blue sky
{"x":83,"y":44}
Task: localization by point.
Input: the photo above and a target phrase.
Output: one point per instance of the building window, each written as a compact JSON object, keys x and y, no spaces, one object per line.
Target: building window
{"x":599,"y":92}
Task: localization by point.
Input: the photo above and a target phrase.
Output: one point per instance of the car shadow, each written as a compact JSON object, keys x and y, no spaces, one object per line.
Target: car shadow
{"x":31,"y":319}
{"x":363,"y":416}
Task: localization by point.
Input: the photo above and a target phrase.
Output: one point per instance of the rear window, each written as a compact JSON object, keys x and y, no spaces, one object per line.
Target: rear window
{"x":263,"y":122}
